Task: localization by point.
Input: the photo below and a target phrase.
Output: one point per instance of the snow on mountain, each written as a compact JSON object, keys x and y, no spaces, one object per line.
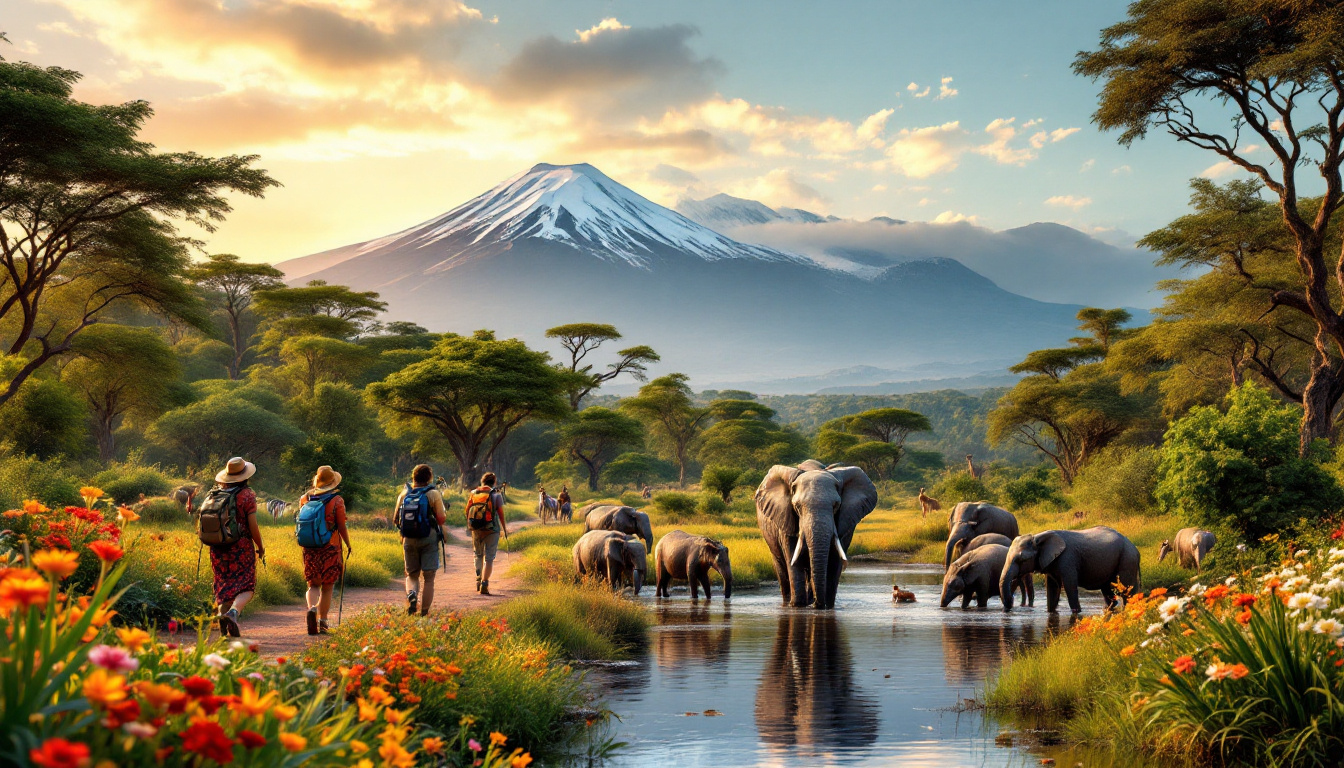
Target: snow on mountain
{"x":727,"y":211}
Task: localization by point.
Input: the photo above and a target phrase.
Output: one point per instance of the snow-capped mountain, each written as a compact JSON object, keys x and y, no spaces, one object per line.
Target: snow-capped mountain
{"x":723,"y":210}
{"x":562,"y":244}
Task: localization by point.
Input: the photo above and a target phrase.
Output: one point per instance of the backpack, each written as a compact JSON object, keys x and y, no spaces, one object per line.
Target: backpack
{"x":310,"y":524}
{"x":481,"y":509}
{"x":217,"y":524}
{"x":412,"y":516}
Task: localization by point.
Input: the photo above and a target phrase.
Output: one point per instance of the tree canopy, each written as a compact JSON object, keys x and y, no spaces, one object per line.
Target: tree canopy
{"x":667,"y":407}
{"x":596,"y":435}
{"x":579,"y":339}
{"x":122,"y":370}
{"x":235,"y":282}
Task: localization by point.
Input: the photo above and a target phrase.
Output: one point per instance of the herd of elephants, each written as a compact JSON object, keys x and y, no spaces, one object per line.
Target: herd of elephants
{"x":808,"y":514}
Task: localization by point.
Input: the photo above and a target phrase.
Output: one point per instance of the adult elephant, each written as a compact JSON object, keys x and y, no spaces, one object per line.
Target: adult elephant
{"x":1192,"y":546}
{"x":1093,"y":558}
{"x":974,"y":518}
{"x":975,"y":576}
{"x":684,"y":557}
{"x":613,"y":557}
{"x":614,"y":517}
{"x":807,"y":515}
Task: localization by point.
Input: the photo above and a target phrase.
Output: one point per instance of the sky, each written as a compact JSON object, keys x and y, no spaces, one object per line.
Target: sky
{"x":379,"y":114}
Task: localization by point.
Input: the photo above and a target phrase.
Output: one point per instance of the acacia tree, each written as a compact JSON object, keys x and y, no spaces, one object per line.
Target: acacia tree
{"x":667,"y":406}
{"x":236,"y":282}
{"x":597,"y":435}
{"x":1180,"y":66}
{"x":745,"y":434}
{"x":473,"y":391}
{"x":316,"y":309}
{"x":579,"y":339}
{"x":87,"y":215}
{"x":885,"y":430}
{"x":317,"y":359}
{"x":121,"y":370}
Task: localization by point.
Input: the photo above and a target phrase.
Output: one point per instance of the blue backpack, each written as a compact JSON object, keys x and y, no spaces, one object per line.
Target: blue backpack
{"x":310,"y":525}
{"x":413,"y":515}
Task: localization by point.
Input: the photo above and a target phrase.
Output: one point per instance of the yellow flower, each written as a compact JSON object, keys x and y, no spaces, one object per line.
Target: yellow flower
{"x":284,"y":713}
{"x":293,"y":741}
{"x":395,"y":755}
{"x":250,"y":704}
{"x":103,"y":688}
{"x":497,"y":739}
{"x":394,"y":733}
{"x":467,"y":720}
{"x":367,"y":712}
{"x":378,"y":695}
{"x":394,"y":716}
{"x":34,"y":507}
{"x":432,"y":746}
{"x":126,"y":515}
{"x":57,"y":563}
{"x":133,"y":638}
{"x":365,"y":763}
{"x":358,"y":747}
{"x":90,"y":495}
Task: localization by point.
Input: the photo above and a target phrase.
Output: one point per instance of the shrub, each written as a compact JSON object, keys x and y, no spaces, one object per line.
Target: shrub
{"x":957,"y":487}
{"x":1240,"y":469}
{"x":586,"y":621}
{"x":25,"y":477}
{"x":1119,"y":479}
{"x":710,"y":505}
{"x":633,"y":499}
{"x":721,"y":480}
{"x":1029,"y":490}
{"x":163,"y":511}
{"x":126,"y":483}
{"x":674,"y":506}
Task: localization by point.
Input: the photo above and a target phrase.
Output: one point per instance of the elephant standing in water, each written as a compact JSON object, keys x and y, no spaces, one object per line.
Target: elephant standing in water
{"x":1093,"y":558}
{"x":681,"y":556}
{"x":614,"y":517}
{"x":808,"y":693}
{"x":613,"y":557}
{"x":971,"y":519}
{"x":1192,"y":545}
{"x":807,"y":515}
{"x":975,"y":576}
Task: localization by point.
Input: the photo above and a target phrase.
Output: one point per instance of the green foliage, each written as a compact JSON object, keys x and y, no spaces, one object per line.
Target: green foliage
{"x":335,"y":409}
{"x":26,"y":477}
{"x":586,"y":622}
{"x":710,"y":505}
{"x":231,"y":284}
{"x":666,"y":406}
{"x":745,"y":434}
{"x":674,"y":506}
{"x":1241,"y":470}
{"x":596,"y":435}
{"x":122,"y":371}
{"x":721,"y":480}
{"x":46,"y":419}
{"x":579,"y":340}
{"x":638,"y":469}
{"x":315,"y":359}
{"x":220,"y":426}
{"x":1119,"y":479}
{"x":1029,"y":490}
{"x":301,"y":461}
{"x":126,"y":483}
{"x":873,"y":440}
{"x":956,"y":487}
{"x":316,"y":309}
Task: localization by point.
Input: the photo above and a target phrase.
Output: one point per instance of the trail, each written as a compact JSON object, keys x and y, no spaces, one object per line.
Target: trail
{"x":281,"y":630}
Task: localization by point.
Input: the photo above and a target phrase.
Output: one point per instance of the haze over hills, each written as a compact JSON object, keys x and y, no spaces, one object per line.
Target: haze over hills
{"x":560,"y":244}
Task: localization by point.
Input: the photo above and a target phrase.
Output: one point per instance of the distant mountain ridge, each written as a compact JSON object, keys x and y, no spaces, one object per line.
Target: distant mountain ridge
{"x":727,"y":211}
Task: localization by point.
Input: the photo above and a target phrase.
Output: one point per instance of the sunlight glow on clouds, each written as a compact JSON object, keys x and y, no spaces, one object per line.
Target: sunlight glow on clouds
{"x":1069,"y":201}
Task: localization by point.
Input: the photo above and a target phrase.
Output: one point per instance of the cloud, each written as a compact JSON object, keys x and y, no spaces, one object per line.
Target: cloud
{"x":1002,"y":131}
{"x":1088,"y":165}
{"x":606,"y":25}
{"x":1221,"y":169}
{"x":779,"y":187}
{"x":952,"y":217}
{"x":1069,"y":201}
{"x":914,"y":90}
{"x":774,"y":132}
{"x":879,"y":188}
{"x":945,"y":89}
{"x":1121,"y":169}
{"x":922,"y":152}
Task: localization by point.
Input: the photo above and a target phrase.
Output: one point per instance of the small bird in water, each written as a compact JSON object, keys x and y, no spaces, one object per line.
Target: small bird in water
{"x":901,"y":596}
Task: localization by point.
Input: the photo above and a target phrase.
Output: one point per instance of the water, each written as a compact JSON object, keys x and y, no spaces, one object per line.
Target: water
{"x":750,"y":682}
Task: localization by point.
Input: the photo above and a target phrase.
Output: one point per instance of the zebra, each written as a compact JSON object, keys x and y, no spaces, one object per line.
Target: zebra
{"x":277,"y":508}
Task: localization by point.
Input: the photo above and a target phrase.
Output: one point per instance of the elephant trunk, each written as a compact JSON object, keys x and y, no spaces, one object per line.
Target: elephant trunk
{"x":1007,"y":582}
{"x":947,"y":595}
{"x":952,"y":542}
{"x":819,"y":550}
{"x":637,"y":578}
{"x":726,"y":571}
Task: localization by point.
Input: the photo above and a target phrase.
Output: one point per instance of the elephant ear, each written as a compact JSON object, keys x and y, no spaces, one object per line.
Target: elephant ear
{"x":774,"y":498}
{"x":1049,"y":545}
{"x":858,"y":497}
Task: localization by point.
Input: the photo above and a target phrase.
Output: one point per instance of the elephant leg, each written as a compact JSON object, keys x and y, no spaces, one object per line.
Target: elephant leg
{"x":982,"y":598}
{"x":780,"y":561}
{"x":1029,"y":590}
{"x":1051,"y":593}
{"x":1109,"y":595}
{"x":1070,"y":581}
{"x":693,"y":580}
{"x":704,"y":582}
{"x":966,"y":599}
{"x":801,"y":584}
{"x":664,"y":582}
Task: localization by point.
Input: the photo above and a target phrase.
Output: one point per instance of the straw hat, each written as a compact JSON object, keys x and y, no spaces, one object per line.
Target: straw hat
{"x":237,"y":471}
{"x":326,"y":479}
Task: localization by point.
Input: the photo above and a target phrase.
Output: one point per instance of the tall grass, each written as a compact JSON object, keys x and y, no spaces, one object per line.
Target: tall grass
{"x":586,"y":621}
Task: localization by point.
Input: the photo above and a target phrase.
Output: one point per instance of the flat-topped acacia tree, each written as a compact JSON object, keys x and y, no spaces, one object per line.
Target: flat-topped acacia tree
{"x":580,"y":339}
{"x":473,"y":391}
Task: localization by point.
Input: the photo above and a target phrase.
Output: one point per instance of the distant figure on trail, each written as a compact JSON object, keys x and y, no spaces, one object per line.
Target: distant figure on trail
{"x":323,"y":565}
{"x":927,"y":504}
{"x":970,"y":467}
{"x":647,"y":493}
{"x":228,"y":525}
{"x":420,"y":516}
{"x":485,"y":520}
{"x":566,"y":511}
{"x":547,"y":507}
{"x":504,"y":491}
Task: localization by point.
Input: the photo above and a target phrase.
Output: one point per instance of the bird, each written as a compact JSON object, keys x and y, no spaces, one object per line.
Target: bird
{"x":927,"y":503}
{"x":899,"y":595}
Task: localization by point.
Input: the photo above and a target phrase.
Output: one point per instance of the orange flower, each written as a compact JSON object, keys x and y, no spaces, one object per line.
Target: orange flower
{"x":396,"y":755}
{"x":249,"y":704}
{"x":1165,"y":680}
{"x":133,"y":638}
{"x":378,"y":695}
{"x":159,"y":695}
{"x":453,"y":669}
{"x":1244,"y":600}
{"x":358,"y":747}
{"x":520,"y":760}
{"x":497,"y":739}
{"x":394,"y":716}
{"x":1238,"y":671}
{"x":432,"y":746}
{"x":57,"y":563}
{"x":90,"y":495}
{"x":1128,"y":650}
{"x":1183,"y":665}
{"x":1244,"y":617}
{"x":103,"y":688}
{"x":1158,"y":592}
{"x":284,"y":713}
{"x":106,"y":551}
{"x":34,"y":507}
{"x":293,"y":741}
{"x":367,"y":712}
{"x":23,"y":592}
{"x":126,"y":515}
{"x":1188,"y":632}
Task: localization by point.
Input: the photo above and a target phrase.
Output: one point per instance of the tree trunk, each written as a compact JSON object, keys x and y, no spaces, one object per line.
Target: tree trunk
{"x":1319,"y":398}
{"x":104,"y":428}
{"x":236,"y":331}
{"x":681,"y":467}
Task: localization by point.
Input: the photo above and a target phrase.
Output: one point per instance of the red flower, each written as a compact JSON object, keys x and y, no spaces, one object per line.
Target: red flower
{"x":59,"y":753}
{"x":55,"y":541}
{"x":1183,"y":665}
{"x":197,"y":686}
{"x":251,"y":739}
{"x":125,"y":712}
{"x":106,"y":551}
{"x":207,"y":739}
{"x":1243,"y":600}
{"x":1338,"y":533}
{"x":211,"y":704}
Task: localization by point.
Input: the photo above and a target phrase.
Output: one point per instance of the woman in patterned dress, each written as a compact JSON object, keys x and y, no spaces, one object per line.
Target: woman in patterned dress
{"x":322,"y":566}
{"x":235,"y":565}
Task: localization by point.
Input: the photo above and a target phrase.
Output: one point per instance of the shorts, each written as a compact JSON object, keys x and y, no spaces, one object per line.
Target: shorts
{"x":421,"y":554}
{"x":485,"y":545}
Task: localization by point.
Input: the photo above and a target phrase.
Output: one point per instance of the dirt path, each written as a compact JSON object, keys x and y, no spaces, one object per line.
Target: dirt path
{"x":281,"y":630}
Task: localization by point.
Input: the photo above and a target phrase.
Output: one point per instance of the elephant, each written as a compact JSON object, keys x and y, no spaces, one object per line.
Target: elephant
{"x":1093,"y":558}
{"x":975,"y":576}
{"x":985,"y":539}
{"x":613,"y":557}
{"x":807,"y":516}
{"x":1192,"y":545}
{"x":614,"y":517}
{"x":679,"y":555}
{"x":973,"y":518}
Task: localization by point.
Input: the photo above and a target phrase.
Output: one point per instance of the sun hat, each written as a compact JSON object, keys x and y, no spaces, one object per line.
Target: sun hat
{"x":237,"y":471}
{"x":326,"y":479}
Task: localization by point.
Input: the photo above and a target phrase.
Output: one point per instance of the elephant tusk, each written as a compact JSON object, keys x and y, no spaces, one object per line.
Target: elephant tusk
{"x":797,"y":552}
{"x":839,"y":548}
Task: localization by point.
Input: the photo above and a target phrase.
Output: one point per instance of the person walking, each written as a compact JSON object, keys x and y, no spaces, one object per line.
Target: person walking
{"x":421,"y":516}
{"x":229,"y":516}
{"x":562,"y":507}
{"x":485,"y":520}
{"x":322,"y":562}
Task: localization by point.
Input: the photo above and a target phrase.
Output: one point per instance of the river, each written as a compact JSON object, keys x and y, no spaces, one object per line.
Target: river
{"x":750,"y":682}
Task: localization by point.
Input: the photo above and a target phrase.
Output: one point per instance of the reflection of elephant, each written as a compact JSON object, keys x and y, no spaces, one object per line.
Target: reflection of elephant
{"x":808,"y":694}
{"x":807,"y":515}
{"x":682,"y":556}
{"x":685,"y":636}
{"x":975,"y":575}
{"x":614,"y":517}
{"x":1093,"y":558}
{"x":613,"y":557}
{"x":973,"y":518}
{"x":1192,"y":545}
{"x":973,"y":651}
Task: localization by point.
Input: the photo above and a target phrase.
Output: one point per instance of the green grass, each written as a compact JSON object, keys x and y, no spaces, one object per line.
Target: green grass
{"x":586,"y":621}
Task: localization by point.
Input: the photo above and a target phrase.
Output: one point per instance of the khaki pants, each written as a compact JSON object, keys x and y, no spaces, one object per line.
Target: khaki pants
{"x":484,"y":546}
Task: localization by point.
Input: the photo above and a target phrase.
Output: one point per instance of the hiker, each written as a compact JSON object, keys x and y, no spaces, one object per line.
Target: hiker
{"x":420,"y":517}
{"x":485,"y":520}
{"x":564,"y":509}
{"x":228,"y":525}
{"x":322,"y":515}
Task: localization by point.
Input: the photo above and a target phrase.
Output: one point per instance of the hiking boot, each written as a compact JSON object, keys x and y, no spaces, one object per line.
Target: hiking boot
{"x":228,"y":623}
{"x":411,"y":599}
{"x":485,"y":588}
{"x":322,"y":627}
{"x":312,"y":621}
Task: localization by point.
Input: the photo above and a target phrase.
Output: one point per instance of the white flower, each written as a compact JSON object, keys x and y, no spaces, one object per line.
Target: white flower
{"x":1300,"y":600}
{"x":1305,"y":626}
{"x":1241,"y":547}
{"x":1336,"y":553}
{"x":1171,"y":607}
{"x":1302,"y":553}
{"x":139,"y":730}
{"x":1338,"y":611}
{"x":1230,"y":580}
{"x":1155,"y":628}
{"x":236,"y":646}
{"x":1297,"y":582}
{"x":215,"y":661}
{"x":1331,"y":627}
{"x":1196,"y":589}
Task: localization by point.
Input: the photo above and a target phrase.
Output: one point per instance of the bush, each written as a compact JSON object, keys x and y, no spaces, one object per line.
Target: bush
{"x":633,"y":499}
{"x":1029,"y":490}
{"x":1119,"y":479}
{"x":164,"y":511}
{"x":721,"y":480}
{"x":711,"y":505}
{"x":25,"y":477}
{"x":586,"y":622}
{"x":957,"y":487}
{"x":674,"y":506}
{"x":126,"y":483}
{"x":1241,"y":469}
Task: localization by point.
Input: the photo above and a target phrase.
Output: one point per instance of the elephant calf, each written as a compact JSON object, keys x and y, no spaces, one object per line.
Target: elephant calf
{"x":1093,"y":558}
{"x":614,"y":517}
{"x":975,"y":575}
{"x":1192,"y":545}
{"x":613,"y":557}
{"x":972,"y":519}
{"x":679,"y":555}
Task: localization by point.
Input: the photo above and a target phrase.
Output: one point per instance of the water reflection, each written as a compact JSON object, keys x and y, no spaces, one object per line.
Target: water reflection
{"x":972,"y":651}
{"x":808,"y":694}
{"x":688,"y":636}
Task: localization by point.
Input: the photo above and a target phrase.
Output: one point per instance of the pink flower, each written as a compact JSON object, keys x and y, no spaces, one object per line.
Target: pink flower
{"x":113,"y":659}
{"x":473,"y":745}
